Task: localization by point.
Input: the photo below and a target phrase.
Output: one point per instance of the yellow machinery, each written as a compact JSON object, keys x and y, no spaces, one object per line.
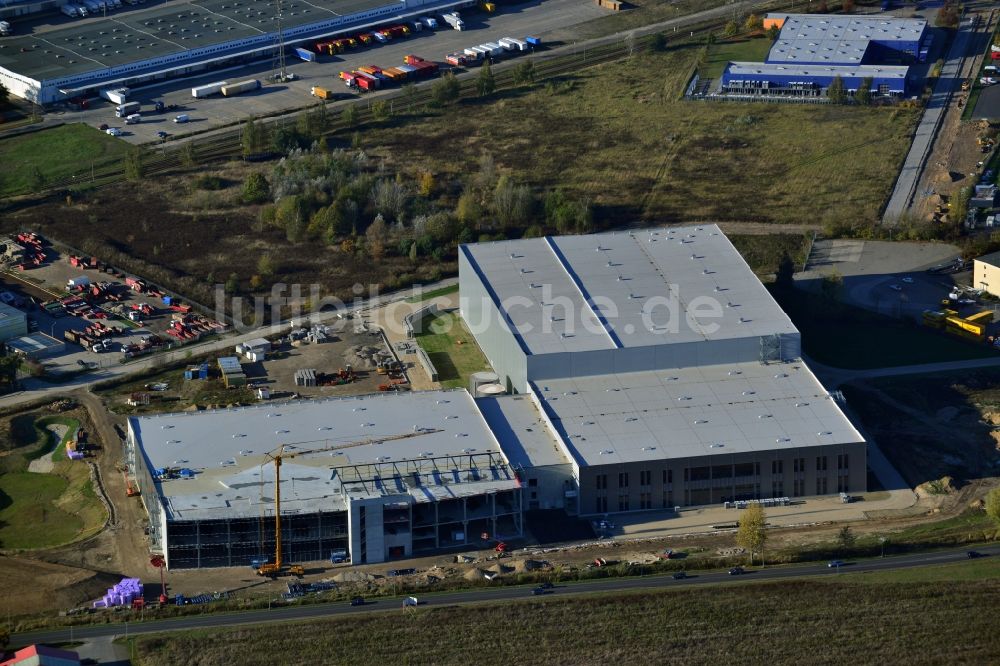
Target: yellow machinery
{"x":973,"y":326}
{"x":278,"y":567}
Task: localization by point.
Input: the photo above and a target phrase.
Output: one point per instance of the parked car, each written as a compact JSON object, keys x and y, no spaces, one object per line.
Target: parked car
{"x":103,"y":127}
{"x":162,"y":135}
{"x":973,"y":554}
{"x":358,"y":601}
{"x":538,"y":591}
{"x":908,"y":280}
{"x":680,"y":575}
{"x":113,"y":131}
{"x":835,"y":564}
{"x":736,"y":571}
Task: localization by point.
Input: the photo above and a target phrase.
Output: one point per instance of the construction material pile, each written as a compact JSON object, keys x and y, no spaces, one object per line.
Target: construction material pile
{"x":122,"y":594}
{"x":361,"y":357}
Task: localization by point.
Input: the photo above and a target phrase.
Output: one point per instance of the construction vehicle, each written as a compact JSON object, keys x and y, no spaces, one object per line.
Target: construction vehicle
{"x":130,"y":490}
{"x":278,"y":567}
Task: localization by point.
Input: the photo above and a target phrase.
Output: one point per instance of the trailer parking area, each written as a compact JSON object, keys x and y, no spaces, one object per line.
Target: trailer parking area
{"x":546,"y":19}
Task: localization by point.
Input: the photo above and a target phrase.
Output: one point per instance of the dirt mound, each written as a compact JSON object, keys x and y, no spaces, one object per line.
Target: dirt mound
{"x":943,"y":486}
{"x":522,"y":566}
{"x":353,"y":577}
{"x":53,"y":586}
{"x":361,"y":357}
{"x":500,"y":569}
{"x":474,"y":574}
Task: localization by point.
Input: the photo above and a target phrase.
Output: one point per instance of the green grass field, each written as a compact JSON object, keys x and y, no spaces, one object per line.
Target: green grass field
{"x":846,"y":337}
{"x":43,"y":510}
{"x":638,"y":152}
{"x":433,"y":293}
{"x":452,"y":349}
{"x":740,"y":50}
{"x":856,"y":620}
{"x":54,"y":154}
{"x":29,"y":515}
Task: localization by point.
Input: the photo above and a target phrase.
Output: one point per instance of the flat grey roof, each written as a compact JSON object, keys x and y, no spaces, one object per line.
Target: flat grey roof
{"x":34,"y":343}
{"x":839,"y":39}
{"x":518,"y":426}
{"x":699,"y":411}
{"x":611,"y":290}
{"x":992,"y":259}
{"x":226,"y":448}
{"x":10,"y":311}
{"x":131,"y":35}
{"x":751,"y":69}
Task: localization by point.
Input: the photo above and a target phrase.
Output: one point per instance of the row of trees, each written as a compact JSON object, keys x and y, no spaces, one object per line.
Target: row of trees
{"x":837,"y":93}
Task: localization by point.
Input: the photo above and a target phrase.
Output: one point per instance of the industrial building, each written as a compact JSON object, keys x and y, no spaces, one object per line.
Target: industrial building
{"x":36,"y":345}
{"x":644,"y":370}
{"x":661,"y":366}
{"x":176,"y":39}
{"x":812,"y":49}
{"x":13,"y":322}
{"x":369,"y":479}
{"x":986,"y":273}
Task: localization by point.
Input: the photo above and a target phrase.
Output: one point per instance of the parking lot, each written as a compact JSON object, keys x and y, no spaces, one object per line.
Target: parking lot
{"x":544,"y":18}
{"x":889,"y":278}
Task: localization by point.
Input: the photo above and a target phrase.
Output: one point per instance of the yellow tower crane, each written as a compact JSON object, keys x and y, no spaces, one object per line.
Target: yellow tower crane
{"x":278,"y":568}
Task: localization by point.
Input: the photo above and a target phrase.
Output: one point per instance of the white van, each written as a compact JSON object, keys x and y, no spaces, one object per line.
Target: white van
{"x":133,"y":119}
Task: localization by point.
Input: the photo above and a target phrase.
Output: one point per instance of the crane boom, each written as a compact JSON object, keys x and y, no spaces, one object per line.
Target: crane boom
{"x":279,"y":454}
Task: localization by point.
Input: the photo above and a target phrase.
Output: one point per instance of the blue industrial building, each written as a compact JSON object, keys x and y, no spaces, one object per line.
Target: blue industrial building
{"x":812,"y":50}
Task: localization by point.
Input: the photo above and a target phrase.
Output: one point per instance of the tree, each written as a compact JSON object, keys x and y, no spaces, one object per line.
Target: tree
{"x":232,"y":283}
{"x":4,"y":95}
{"x":566,"y":215}
{"x":381,"y":110}
{"x":265,"y":265}
{"x":426,"y":188}
{"x":836,"y":92}
{"x":376,"y":236}
{"x":659,"y":42}
{"x":133,"y":165}
{"x":290,"y":216}
{"x":630,"y":43}
{"x":993,"y":504}
{"x":753,"y":23}
{"x":732,"y":27}
{"x":254,"y":137}
{"x":389,"y":198}
{"x":784,"y":276}
{"x":256,"y":189}
{"x":751,"y":533}
{"x":485,"y":83}
{"x":960,"y":206}
{"x":863,"y":96}
{"x":846,"y":539}
{"x":349,"y":116}
{"x":446,"y":89}
{"x":511,"y":202}
{"x":847,"y":6}
{"x":467,"y":210}
{"x":831,"y":286}
{"x":772,"y":31}
{"x":524,"y":73}
{"x":413,"y":252}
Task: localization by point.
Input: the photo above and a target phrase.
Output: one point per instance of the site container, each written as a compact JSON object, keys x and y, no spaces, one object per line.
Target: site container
{"x":232,"y":89}
{"x":208,"y":89}
{"x":533,"y":41}
{"x":366,"y":82}
{"x":321,"y":93}
{"x":494,"y":48}
{"x":513,"y":44}
{"x":115,"y":95}
{"x":305,"y":54}
{"x":395,"y":74}
{"x":371,"y":70}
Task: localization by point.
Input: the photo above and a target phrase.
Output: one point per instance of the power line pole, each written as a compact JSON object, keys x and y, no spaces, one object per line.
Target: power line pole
{"x":278,"y":63}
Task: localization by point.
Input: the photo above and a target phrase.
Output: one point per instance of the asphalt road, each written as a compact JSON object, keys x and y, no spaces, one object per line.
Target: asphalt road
{"x":495,"y":595}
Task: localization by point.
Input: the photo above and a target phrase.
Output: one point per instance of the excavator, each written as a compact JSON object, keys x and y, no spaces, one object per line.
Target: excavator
{"x":278,"y":567}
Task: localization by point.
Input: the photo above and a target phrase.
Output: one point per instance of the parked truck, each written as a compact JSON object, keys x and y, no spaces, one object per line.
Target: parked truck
{"x":454,"y":20}
{"x":5,"y":28}
{"x":429,"y":22}
{"x":208,"y":89}
{"x":322,"y":93}
{"x":127,"y":109}
{"x":115,"y":95}
{"x":70,"y":10}
{"x":513,"y":44}
{"x":233,"y":89}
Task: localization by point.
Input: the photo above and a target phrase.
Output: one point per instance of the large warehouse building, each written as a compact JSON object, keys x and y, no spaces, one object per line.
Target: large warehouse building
{"x":812,"y":49}
{"x":666,"y":371}
{"x":179,"y":38}
{"x":372,"y":478}
{"x":645,"y":370}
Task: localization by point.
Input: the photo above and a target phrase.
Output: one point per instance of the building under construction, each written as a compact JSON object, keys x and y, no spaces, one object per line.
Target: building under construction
{"x":365,"y":479}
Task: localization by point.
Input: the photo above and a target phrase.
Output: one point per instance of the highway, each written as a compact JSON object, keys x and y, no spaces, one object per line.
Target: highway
{"x":819,"y":570}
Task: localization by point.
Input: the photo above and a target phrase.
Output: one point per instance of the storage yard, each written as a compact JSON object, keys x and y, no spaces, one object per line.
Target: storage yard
{"x":75,"y":302}
{"x":273,"y":97}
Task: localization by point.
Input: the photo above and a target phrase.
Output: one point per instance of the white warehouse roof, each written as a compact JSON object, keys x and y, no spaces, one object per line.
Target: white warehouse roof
{"x":614,"y":290}
{"x":227,"y":450}
{"x":695,"y":411}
